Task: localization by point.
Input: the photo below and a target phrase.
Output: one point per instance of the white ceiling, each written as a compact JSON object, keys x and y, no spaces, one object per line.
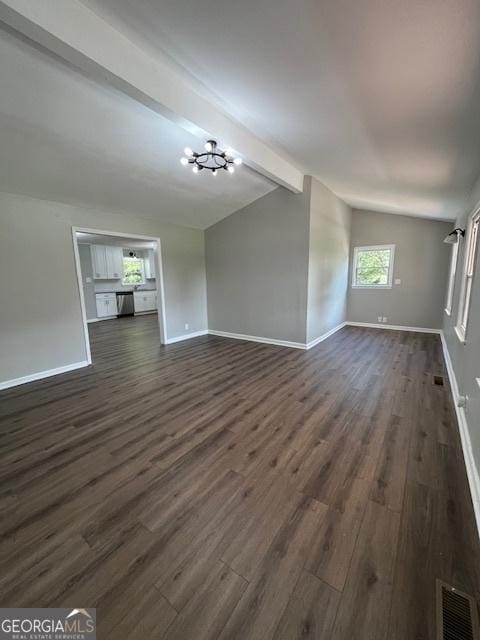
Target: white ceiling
{"x":377,"y":98}
{"x":65,"y":138}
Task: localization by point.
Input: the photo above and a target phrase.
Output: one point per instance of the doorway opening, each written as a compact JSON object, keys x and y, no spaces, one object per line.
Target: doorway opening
{"x":119,"y":276}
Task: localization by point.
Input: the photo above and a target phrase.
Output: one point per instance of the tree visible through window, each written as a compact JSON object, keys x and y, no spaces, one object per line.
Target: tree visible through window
{"x":133,"y":271}
{"x":373,"y":266}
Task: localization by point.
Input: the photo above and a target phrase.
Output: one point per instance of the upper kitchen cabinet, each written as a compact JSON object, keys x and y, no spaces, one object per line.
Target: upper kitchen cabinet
{"x":114,"y":262}
{"x":150,"y":271}
{"x":107,"y":262}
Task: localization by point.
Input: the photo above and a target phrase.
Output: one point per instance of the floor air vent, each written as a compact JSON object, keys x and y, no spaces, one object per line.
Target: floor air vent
{"x":457,"y":615}
{"x":438,"y":380}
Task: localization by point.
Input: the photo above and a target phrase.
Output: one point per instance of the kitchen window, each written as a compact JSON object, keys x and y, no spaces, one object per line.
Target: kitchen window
{"x":133,"y":270}
{"x":373,"y":267}
{"x":468,"y":273}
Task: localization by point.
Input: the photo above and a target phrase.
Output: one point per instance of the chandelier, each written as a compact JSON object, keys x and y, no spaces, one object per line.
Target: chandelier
{"x":212,"y":158}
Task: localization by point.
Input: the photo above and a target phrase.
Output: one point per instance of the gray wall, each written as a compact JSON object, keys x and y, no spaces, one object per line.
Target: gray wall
{"x":466,"y":357}
{"x":257,"y":261}
{"x":40,"y":317}
{"x":330,"y":220}
{"x":88,"y":287}
{"x":421,"y":262}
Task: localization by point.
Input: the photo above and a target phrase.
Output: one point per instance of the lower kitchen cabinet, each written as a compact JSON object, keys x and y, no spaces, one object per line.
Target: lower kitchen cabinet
{"x":106,"y":305}
{"x":145,"y":301}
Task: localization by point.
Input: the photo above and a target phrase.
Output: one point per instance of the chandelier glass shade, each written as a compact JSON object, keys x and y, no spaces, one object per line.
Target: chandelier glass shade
{"x":212,"y":159}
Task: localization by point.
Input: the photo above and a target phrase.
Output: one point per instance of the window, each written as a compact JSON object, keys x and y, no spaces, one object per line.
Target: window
{"x":133,"y":271}
{"x":373,"y":267}
{"x":451,"y":277}
{"x":468,"y":272}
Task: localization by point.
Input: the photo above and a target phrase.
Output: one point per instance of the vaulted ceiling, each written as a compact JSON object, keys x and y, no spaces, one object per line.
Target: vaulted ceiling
{"x":66,"y":138}
{"x":378,"y":100}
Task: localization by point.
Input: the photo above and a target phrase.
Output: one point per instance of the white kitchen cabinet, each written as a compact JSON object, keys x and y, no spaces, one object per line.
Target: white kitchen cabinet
{"x":106,"y":305}
{"x":107,"y":262}
{"x":150,"y":271}
{"x":99,"y":262}
{"x":114,"y":262}
{"x":145,"y":301}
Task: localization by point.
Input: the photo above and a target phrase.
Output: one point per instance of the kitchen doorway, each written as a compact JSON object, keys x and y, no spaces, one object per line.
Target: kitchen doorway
{"x":119,"y":276}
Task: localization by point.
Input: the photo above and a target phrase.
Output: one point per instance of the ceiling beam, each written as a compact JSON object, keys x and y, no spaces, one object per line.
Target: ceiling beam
{"x":73,"y":32}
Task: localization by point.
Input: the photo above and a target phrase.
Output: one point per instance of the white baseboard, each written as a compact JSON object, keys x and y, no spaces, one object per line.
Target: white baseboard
{"x":394,"y":327}
{"x":187,"y":336}
{"x":279,"y":343}
{"x":313,"y":343}
{"x":241,"y":336}
{"x":7,"y":384}
{"x":471,"y":467}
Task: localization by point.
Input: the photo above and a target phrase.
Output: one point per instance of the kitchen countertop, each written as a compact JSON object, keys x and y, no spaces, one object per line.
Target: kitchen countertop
{"x":99,"y":293}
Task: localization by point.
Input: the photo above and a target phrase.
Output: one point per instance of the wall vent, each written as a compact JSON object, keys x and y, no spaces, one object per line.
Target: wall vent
{"x":457,"y":614}
{"x":438,"y":380}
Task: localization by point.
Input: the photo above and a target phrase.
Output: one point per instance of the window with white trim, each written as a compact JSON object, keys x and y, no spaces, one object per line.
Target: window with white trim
{"x":133,"y":270}
{"x":468,"y":273}
{"x":451,"y":275}
{"x":372,"y":266}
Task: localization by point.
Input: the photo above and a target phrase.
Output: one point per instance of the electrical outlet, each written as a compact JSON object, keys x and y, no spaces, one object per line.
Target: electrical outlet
{"x":384,"y":319}
{"x":380,"y":319}
{"x":397,"y":281}
{"x":88,"y":280}
{"x":187,"y":325}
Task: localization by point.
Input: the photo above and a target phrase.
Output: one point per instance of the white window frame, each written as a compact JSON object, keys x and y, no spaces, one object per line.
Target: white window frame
{"x":373,"y":247}
{"x":142,"y":269}
{"x":469,"y":266}
{"x":452,"y":275}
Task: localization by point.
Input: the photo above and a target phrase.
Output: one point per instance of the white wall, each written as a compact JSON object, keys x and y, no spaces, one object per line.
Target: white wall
{"x":330,"y":220}
{"x":421,"y":263}
{"x":257,"y":261}
{"x":40,"y":316}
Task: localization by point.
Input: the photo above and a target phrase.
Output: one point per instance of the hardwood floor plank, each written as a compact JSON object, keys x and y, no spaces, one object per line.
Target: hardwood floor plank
{"x":368,"y":589}
{"x":266,"y":597}
{"x":391,"y":472}
{"x":311,"y":611}
{"x":208,"y":610}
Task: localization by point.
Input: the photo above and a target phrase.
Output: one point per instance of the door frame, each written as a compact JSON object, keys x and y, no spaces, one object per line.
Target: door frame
{"x":162,"y":314}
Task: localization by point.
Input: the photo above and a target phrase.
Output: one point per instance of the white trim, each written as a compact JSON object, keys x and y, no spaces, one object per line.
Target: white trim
{"x":7,"y":384}
{"x":162,"y":315}
{"x":101,"y":319}
{"x":459,"y":334}
{"x":452,"y":275}
{"x":187,"y":336}
{"x":393,"y":327}
{"x":371,"y":286}
{"x":78,"y":271}
{"x":470,"y":260}
{"x":472,"y":471}
{"x":323,"y":337}
{"x":241,"y":336}
{"x":373,"y":247}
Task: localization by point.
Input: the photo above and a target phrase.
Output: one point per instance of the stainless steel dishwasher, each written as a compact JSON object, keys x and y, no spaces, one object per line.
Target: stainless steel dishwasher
{"x":125,"y":304}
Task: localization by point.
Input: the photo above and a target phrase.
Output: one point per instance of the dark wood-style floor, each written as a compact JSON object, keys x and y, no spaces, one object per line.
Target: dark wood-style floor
{"x":224,"y":489}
